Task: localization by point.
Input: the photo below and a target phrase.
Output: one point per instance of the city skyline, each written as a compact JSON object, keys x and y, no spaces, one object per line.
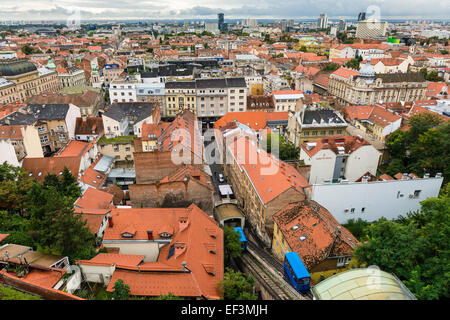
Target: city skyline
{"x":175,"y":9}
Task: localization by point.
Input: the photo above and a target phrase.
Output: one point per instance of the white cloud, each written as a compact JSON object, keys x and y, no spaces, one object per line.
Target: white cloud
{"x":154,"y":9}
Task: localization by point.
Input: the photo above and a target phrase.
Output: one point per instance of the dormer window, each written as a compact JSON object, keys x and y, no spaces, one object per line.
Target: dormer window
{"x":165,"y":235}
{"x":127,"y":235}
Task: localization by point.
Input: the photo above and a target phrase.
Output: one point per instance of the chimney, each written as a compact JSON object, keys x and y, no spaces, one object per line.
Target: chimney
{"x":150,"y":234}
{"x":110,"y":222}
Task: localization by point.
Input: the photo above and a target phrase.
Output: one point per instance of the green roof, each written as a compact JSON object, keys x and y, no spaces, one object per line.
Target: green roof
{"x":116,"y":140}
{"x":362,"y":284}
{"x":16,"y":67}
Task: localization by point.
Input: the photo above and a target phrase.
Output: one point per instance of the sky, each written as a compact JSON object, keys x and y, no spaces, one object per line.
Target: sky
{"x":233,"y":9}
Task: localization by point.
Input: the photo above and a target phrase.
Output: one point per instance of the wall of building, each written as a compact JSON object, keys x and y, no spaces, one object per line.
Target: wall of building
{"x":8,"y":153}
{"x":71,"y":118}
{"x":31,"y":142}
{"x":175,"y":194}
{"x":147,"y":248}
{"x":373,"y":200}
{"x":97,"y":274}
{"x":364,"y":159}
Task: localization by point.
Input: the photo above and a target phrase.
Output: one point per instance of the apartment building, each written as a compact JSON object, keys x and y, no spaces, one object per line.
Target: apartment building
{"x":208,"y":98}
{"x":262,"y":183}
{"x":366,"y":87}
{"x":127,"y":118}
{"x":180,"y":95}
{"x":27,"y":79}
{"x":286,"y":100}
{"x":309,"y":229}
{"x":55,"y":123}
{"x":375,"y":120}
{"x":71,"y":77}
{"x":24,"y":139}
{"x":310,"y":123}
{"x":339,"y":157}
{"x":371,"y":198}
{"x":123,"y":90}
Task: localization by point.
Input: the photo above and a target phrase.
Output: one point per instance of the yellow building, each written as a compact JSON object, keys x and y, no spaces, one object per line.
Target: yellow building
{"x":311,"y":123}
{"x":262,"y":184}
{"x":27,"y":79}
{"x":180,"y":95}
{"x":309,"y":229}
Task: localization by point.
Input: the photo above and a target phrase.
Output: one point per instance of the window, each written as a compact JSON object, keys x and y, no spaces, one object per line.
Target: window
{"x":363,"y":209}
{"x":340,"y":261}
{"x":352,"y":210}
{"x":417,"y":194}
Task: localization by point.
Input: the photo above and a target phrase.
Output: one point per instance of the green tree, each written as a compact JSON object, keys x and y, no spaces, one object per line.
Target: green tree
{"x":353,"y":63}
{"x":169,"y":296}
{"x":121,"y":290}
{"x":415,"y":248}
{"x":303,"y":49}
{"x":232,"y":243}
{"x":69,"y":185}
{"x":236,"y":286}
{"x":330,"y":67}
{"x":56,"y":227}
{"x":14,"y":186}
{"x":424,"y":148}
{"x":26,"y":49}
{"x":357,"y":227}
{"x":433,"y":76}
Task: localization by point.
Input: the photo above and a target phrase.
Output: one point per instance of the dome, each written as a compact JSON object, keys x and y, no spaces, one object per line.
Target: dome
{"x":362,"y":284}
{"x":11,"y":68}
{"x":367,"y":71}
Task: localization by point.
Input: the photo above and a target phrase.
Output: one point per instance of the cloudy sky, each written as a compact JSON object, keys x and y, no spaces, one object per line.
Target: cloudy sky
{"x":201,"y":9}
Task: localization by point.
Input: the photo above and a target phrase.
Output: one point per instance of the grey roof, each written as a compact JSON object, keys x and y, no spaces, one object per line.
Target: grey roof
{"x":33,"y":112}
{"x":180,"y":85}
{"x":122,"y":173}
{"x":210,"y":83}
{"x":236,"y":82}
{"x":322,"y":116}
{"x":104,"y":164}
{"x":401,"y":77}
{"x":135,"y":110}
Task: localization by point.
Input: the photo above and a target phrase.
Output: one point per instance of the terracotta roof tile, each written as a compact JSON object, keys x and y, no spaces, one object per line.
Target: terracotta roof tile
{"x":313,"y":232}
{"x":94,"y":199}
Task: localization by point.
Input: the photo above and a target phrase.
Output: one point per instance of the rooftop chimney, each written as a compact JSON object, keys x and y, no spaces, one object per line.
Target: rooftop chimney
{"x":150,"y":234}
{"x":110,"y":222}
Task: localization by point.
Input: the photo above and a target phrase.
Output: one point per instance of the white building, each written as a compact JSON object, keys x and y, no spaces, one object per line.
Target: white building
{"x":8,"y":153}
{"x":371,"y":28}
{"x":339,"y":157}
{"x":286,"y":100}
{"x":322,"y":22}
{"x":123,"y":91}
{"x":372,"y":200}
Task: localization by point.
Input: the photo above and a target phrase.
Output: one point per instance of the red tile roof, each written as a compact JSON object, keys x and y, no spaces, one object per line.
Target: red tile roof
{"x":3,"y":236}
{"x":345,"y":73}
{"x":94,"y":199}
{"x":120,"y":260}
{"x":11,"y":132}
{"x":40,"y":167}
{"x":92,"y":177}
{"x":196,"y":239}
{"x":74,"y":148}
{"x":349,"y":143}
{"x":323,"y":236}
{"x":270,"y":176}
